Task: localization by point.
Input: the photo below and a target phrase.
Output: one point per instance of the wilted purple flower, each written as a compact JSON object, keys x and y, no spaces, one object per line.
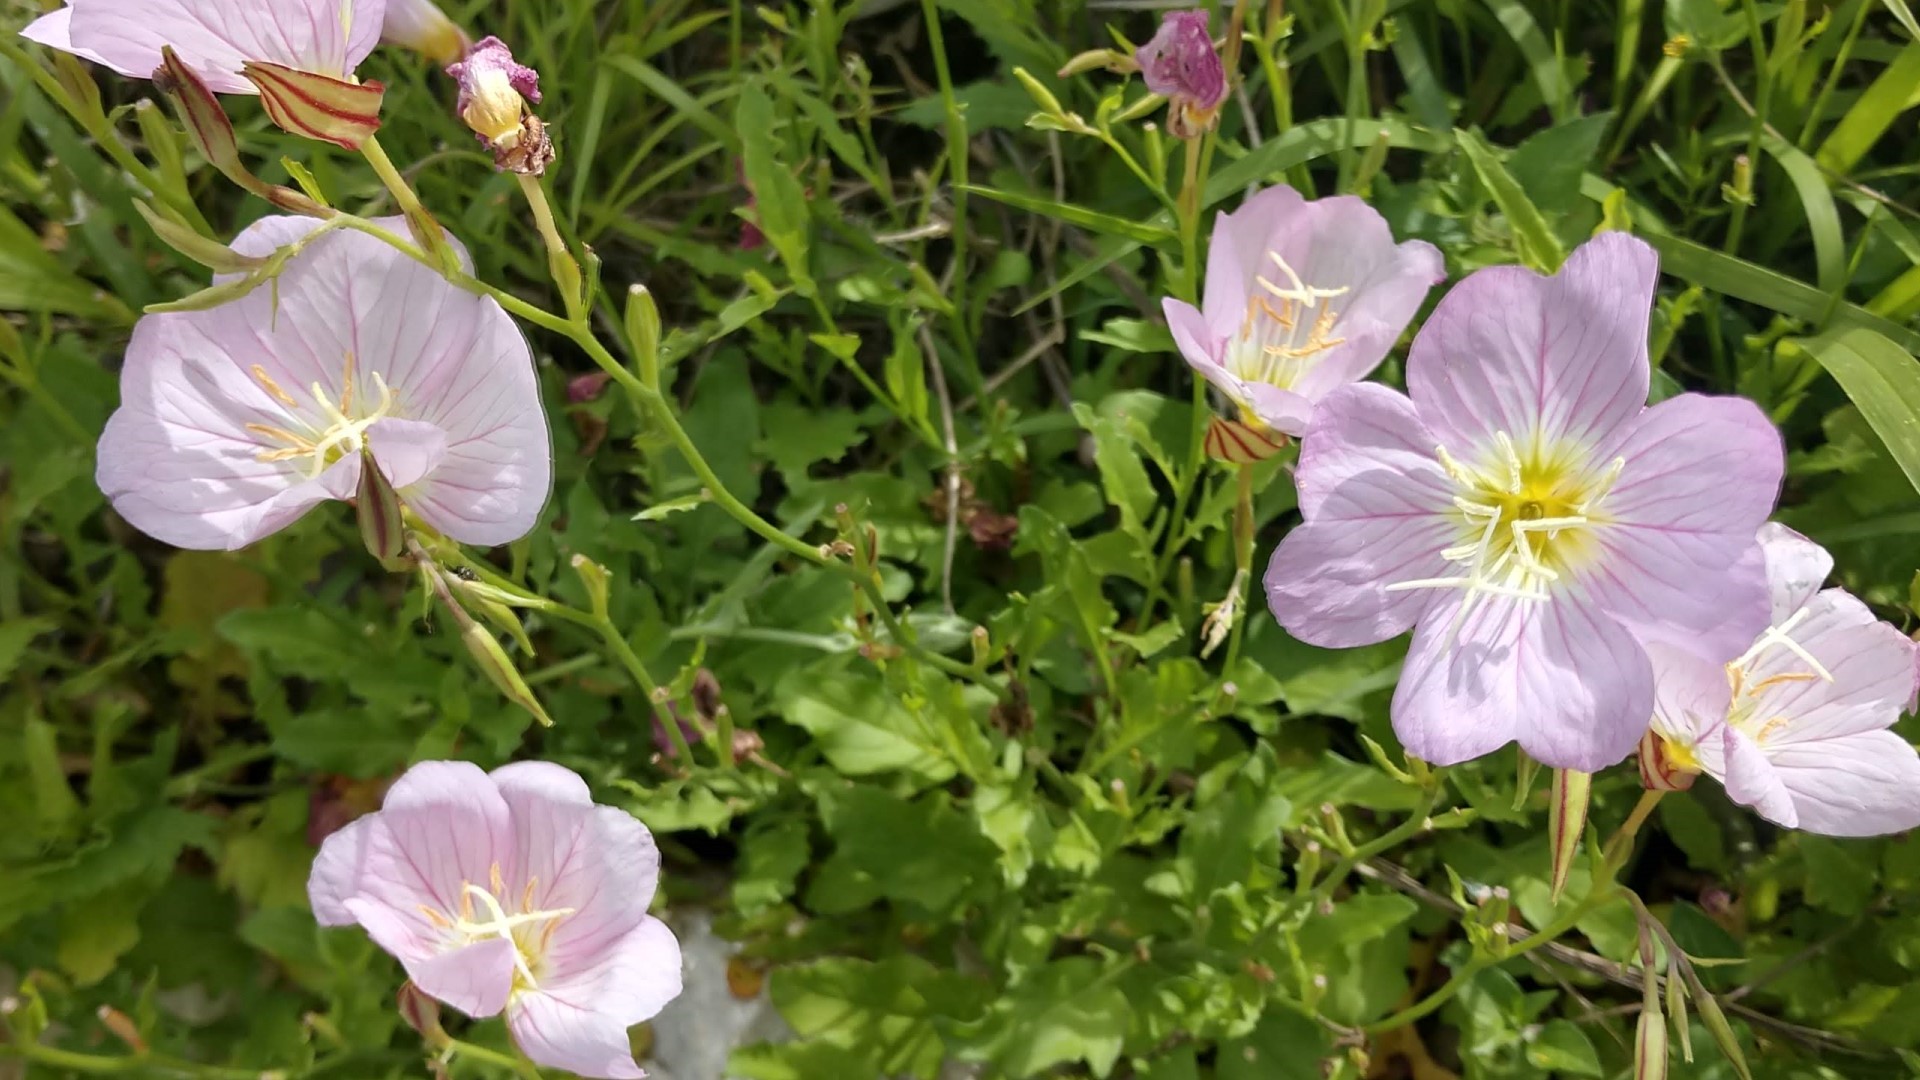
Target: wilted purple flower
{"x":1797,"y":726}
{"x":1530,"y":518}
{"x":1181,"y":65}
{"x":1301,"y":297}
{"x":215,"y":37}
{"x":511,"y":891}
{"x":236,"y":421}
{"x":494,"y":91}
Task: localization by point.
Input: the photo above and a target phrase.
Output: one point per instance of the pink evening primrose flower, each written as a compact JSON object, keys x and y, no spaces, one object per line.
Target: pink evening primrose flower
{"x":236,"y":421}
{"x":1301,"y":297}
{"x":1797,"y":726}
{"x":511,"y":891}
{"x":216,"y":37}
{"x":1530,"y":518}
{"x":1181,"y":65}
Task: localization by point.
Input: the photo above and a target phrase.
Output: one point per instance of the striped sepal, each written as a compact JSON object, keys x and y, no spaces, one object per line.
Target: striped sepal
{"x":317,"y":106}
{"x":1241,"y":444}
{"x":1658,"y":770}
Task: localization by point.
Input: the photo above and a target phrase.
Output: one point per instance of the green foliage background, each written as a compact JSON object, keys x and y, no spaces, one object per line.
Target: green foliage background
{"x":1077,"y":848}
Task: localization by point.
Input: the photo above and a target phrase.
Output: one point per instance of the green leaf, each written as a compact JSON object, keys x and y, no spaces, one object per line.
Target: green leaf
{"x":1538,"y":246}
{"x":880,"y":1011}
{"x":1094,"y":220}
{"x":921,"y":851}
{"x":1884,"y":382}
{"x":15,"y":636}
{"x":1549,"y":164}
{"x":1069,"y":1011}
{"x":33,"y":280}
{"x":1872,"y":113}
{"x":859,"y":726}
{"x":1284,"y":1046}
{"x":1122,"y":476}
{"x":1561,"y":1047}
{"x":780,"y":203}
{"x":795,"y":436}
{"x":1840,"y":873}
{"x":1823,"y":216}
{"x":1542,"y":58}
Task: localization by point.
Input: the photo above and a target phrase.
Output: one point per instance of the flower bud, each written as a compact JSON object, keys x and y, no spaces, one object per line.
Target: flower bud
{"x":593,"y":577}
{"x":1242,"y":444}
{"x":494,"y":92}
{"x":424,"y":28}
{"x":422,"y":1014}
{"x":1567,"y":822}
{"x":319,"y":107}
{"x":377,"y":507}
{"x":1650,"y":1046}
{"x":498,"y":668}
{"x":211,"y":254}
{"x":643,"y":333}
{"x":1181,"y":65}
{"x":1664,"y":766}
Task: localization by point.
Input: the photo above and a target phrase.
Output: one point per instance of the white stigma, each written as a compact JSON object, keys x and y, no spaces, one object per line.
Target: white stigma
{"x":498,"y":923}
{"x":1781,"y":636}
{"x":1288,"y":326}
{"x":339,"y":427}
{"x":1490,"y":501}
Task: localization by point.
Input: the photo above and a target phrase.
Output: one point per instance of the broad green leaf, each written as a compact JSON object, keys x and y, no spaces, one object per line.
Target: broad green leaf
{"x":1563,"y":1049}
{"x":1823,"y":216}
{"x":33,"y":280}
{"x":859,"y":726}
{"x":1872,"y":113}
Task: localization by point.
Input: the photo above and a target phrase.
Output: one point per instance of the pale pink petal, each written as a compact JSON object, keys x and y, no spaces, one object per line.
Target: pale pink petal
{"x":1690,"y":697}
{"x":1866,"y":784}
{"x":1678,"y":548}
{"x":1563,"y":358}
{"x":1572,"y":686}
{"x":1796,"y":568}
{"x":217,"y":37}
{"x":609,"y":881}
{"x":421,"y":25}
{"x":477,"y":979}
{"x":1752,"y":781}
{"x":55,"y":31}
{"x":1237,"y":254}
{"x":1343,"y":242}
{"x":1376,"y":511}
{"x":1201,"y":347}
{"x":572,"y":1036}
{"x":407,"y":450}
{"x":1872,"y":665}
{"x":450,"y":828}
{"x":529,"y":780}
{"x":1282,"y":410}
{"x":337,"y":868}
{"x":635,"y":978}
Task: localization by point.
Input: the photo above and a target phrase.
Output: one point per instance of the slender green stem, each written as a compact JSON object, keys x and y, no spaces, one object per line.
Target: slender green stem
{"x":1763,"y":101}
{"x":560,"y":261}
{"x":133,"y":1065}
{"x":521,"y":1066}
{"x":1416,"y":823}
{"x":957,"y":168}
{"x":426,"y":232}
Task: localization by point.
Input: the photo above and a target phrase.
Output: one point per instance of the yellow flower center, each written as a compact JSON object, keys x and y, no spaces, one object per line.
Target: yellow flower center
{"x":327,"y":431}
{"x":1526,"y":519}
{"x":529,"y":930}
{"x":1288,"y":325}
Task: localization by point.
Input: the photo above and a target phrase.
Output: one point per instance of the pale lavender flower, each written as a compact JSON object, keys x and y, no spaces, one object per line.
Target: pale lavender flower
{"x":1301,"y":297}
{"x":237,"y":420}
{"x":215,"y":37}
{"x":1527,"y":515}
{"x":1797,"y":726}
{"x":511,"y":891}
{"x":1181,"y":65}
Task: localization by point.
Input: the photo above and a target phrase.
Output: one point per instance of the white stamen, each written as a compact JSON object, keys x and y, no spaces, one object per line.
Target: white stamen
{"x":500,"y":924}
